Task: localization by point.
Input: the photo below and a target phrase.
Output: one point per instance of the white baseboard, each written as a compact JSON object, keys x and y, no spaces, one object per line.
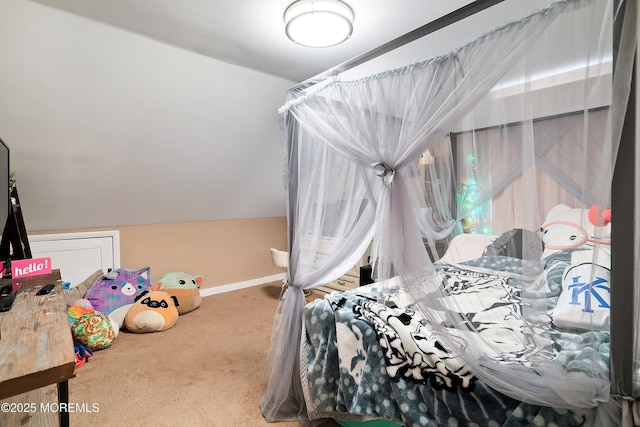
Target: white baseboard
{"x":241,"y":285}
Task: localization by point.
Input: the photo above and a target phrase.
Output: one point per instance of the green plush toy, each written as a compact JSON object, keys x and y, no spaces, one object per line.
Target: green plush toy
{"x":184,"y":287}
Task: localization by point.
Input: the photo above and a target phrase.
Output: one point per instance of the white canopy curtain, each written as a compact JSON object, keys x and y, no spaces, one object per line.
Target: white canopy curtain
{"x":353,"y":150}
{"x":498,"y":182}
{"x":537,"y":140}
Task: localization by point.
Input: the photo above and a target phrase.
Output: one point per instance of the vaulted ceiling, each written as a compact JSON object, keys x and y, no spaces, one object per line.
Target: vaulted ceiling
{"x":90,"y":80}
{"x":250,"y":33}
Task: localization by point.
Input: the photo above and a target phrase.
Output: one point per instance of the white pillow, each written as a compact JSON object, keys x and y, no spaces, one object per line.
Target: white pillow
{"x":465,"y":247}
{"x":584,"y":303}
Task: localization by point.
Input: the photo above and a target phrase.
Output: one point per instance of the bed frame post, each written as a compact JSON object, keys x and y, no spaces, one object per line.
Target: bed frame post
{"x":623,"y":231}
{"x":292,"y":181}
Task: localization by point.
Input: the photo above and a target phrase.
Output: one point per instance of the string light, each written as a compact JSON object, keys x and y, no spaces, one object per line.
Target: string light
{"x":469,"y":200}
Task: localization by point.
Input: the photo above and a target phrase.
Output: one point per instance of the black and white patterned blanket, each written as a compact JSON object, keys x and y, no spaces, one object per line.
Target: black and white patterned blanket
{"x":367,"y":359}
{"x":411,"y":350}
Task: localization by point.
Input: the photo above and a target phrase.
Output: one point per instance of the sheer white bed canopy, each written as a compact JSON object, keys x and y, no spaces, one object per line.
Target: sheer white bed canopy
{"x":485,"y":138}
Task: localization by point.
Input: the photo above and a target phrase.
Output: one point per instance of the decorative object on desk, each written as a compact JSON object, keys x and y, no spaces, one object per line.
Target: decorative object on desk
{"x":115,"y":292}
{"x":30,"y":267}
{"x":89,"y":327}
{"x":14,"y":243}
{"x":153,"y":311}
{"x":6,"y":267}
{"x":184,"y":287}
{"x":71,"y":295}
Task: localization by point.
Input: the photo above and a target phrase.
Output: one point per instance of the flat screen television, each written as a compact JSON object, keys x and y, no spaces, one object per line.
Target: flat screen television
{"x":5,"y":193}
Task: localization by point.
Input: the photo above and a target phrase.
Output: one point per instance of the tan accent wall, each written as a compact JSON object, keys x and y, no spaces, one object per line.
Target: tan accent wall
{"x":223,"y":252}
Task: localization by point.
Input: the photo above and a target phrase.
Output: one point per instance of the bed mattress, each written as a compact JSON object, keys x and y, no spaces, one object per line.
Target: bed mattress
{"x":355,"y":366}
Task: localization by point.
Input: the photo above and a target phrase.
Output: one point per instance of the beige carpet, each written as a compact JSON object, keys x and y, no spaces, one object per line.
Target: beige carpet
{"x":208,"y":370}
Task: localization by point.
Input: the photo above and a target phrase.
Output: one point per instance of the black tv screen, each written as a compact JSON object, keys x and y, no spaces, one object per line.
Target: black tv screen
{"x":5,"y":193}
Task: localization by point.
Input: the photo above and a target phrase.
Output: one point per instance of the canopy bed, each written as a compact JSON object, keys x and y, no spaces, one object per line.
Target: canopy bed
{"x":506,"y":148}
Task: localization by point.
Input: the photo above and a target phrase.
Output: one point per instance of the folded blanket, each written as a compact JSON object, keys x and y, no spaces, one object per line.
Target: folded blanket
{"x":411,"y":350}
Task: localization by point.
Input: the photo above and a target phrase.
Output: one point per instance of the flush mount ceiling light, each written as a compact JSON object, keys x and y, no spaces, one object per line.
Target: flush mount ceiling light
{"x":318,"y":23}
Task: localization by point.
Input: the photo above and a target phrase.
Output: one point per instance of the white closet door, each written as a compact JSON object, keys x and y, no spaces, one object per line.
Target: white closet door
{"x":78,"y":255}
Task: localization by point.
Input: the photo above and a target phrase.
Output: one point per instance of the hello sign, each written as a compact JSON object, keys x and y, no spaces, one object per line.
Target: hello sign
{"x":30,"y":267}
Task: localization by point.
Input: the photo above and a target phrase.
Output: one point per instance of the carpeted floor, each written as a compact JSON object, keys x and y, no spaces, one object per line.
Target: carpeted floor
{"x":208,"y":370}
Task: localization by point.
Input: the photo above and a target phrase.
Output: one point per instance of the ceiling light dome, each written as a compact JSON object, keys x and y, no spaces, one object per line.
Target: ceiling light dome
{"x":318,"y":23}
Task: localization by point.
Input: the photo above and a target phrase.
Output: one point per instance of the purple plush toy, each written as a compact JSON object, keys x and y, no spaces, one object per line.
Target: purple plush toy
{"x":115,"y":292}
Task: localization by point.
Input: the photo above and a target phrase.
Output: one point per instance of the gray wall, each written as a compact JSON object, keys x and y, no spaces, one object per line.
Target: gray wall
{"x":111,"y":128}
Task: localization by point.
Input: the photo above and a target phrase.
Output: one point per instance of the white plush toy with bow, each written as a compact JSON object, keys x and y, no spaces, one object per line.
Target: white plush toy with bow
{"x":568,"y":228}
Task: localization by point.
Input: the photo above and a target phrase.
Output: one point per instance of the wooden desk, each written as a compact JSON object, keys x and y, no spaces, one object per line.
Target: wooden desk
{"x":36,"y":352}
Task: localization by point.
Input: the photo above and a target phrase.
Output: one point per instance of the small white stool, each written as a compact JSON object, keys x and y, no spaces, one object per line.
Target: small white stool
{"x":280,"y":258}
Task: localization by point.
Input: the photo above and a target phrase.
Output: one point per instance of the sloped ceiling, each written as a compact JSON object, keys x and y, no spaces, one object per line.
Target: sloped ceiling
{"x":135,"y":106}
{"x":250,"y":33}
